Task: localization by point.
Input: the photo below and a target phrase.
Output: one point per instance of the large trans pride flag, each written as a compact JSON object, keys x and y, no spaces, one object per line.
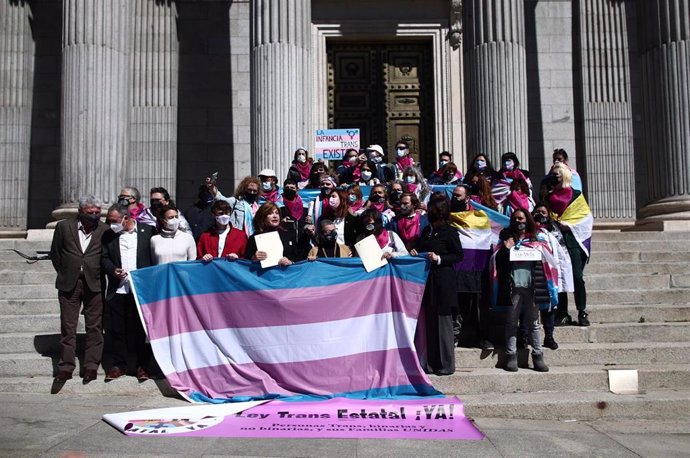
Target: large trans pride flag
{"x":233,"y":331}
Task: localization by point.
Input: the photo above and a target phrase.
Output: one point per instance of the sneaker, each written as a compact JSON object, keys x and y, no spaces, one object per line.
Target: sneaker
{"x":582,"y":319}
{"x":550,"y":342}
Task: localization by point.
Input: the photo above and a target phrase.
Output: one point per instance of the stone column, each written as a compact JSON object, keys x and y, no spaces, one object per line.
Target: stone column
{"x":665,"y":55}
{"x":495,"y":78}
{"x":16,"y":84}
{"x":152,"y":157}
{"x":607,"y":124}
{"x":95,"y":100}
{"x":281,"y":82}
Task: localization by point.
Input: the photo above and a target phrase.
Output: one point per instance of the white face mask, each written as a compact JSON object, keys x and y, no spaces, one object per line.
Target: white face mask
{"x":266,"y":185}
{"x":172,"y":224}
{"x":301,"y":158}
{"x":442,"y":163}
{"x":400,"y":152}
{"x":366,"y":175}
{"x":223,"y":219}
{"x":117,"y":227}
{"x":410,"y":179}
{"x":352,"y":159}
{"x":334,"y":202}
{"x":375,"y":158}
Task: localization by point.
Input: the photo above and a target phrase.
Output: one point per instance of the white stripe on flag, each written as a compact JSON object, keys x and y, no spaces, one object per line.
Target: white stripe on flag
{"x":284,"y":344}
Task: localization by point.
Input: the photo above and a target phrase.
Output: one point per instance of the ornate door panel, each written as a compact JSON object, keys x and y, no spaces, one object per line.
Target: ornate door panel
{"x":385,"y":90}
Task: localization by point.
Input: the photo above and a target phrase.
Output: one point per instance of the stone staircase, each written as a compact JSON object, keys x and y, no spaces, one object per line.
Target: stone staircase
{"x":639,"y":299}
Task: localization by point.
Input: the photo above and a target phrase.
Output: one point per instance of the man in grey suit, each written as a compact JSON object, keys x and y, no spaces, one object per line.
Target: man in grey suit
{"x":126,"y":247}
{"x":76,"y":255}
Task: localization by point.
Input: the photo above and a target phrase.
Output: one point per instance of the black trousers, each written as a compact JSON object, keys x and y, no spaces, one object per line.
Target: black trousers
{"x":127,"y":331}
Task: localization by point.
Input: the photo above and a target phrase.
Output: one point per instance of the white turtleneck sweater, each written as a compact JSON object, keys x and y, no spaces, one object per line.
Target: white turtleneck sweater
{"x":171,"y":247}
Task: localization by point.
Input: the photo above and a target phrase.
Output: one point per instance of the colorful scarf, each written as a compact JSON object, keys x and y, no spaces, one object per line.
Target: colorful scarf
{"x":249,"y":212}
{"x":515,"y":200}
{"x":356,"y":205}
{"x":560,"y":199}
{"x":383,"y":238}
{"x":295,"y":206}
{"x":403,"y":163}
{"x":408,"y":229}
{"x":379,"y":206}
{"x":272,"y":196}
{"x":303,"y":169}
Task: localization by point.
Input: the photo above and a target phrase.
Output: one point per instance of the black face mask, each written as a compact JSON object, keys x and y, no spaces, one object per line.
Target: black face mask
{"x":474,"y":189}
{"x":124,"y":202}
{"x":250,"y":196}
{"x":205,"y":198}
{"x":89,"y":219}
{"x":375,"y":198}
{"x":155,"y":205}
{"x":289,"y":193}
{"x":551,"y":181}
{"x":541,"y":219}
{"x":518,"y":227}
{"x":395,"y":196}
{"x":331,"y":237}
{"x":458,"y":205}
{"x":325,"y":191}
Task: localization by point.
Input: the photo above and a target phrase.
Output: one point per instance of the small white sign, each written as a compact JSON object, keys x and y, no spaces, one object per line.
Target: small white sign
{"x":370,"y":253}
{"x":524,"y":254}
{"x":623,"y":381}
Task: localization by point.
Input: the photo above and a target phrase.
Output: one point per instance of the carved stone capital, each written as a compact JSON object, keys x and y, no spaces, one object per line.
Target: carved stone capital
{"x":455,"y":30}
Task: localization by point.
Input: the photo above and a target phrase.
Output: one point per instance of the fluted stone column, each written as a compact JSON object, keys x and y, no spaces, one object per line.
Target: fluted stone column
{"x":281,"y":81}
{"x":95,"y":100}
{"x":154,"y":82}
{"x":665,"y":52}
{"x":16,"y":84}
{"x":607,"y":110}
{"x":495,"y":78}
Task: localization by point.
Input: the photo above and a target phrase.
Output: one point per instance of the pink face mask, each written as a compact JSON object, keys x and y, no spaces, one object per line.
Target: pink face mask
{"x":334,"y":202}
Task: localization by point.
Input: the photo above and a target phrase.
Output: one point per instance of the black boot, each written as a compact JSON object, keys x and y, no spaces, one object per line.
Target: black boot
{"x":511,"y":363}
{"x":582,"y":319}
{"x":550,"y":342}
{"x":539,"y":364}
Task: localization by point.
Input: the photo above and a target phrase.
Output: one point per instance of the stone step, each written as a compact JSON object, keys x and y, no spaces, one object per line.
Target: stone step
{"x":38,"y":324}
{"x":619,"y":268}
{"x":635,"y":313}
{"x":27,"y":292}
{"x":597,"y":354}
{"x":627,"y":296}
{"x":558,"y":379}
{"x":12,"y":277}
{"x":640,"y":246}
{"x":125,"y":386}
{"x":582,"y":354}
{"x":637,"y":256}
{"x":20,"y":265}
{"x":30,"y":306}
{"x":639,"y":236}
{"x":611,"y":281}
{"x":623,"y":332}
{"x":592,"y":405}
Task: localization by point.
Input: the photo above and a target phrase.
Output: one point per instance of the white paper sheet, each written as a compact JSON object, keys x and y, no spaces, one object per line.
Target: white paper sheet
{"x":524,"y":254}
{"x":269,"y":242}
{"x":370,"y":253}
{"x":623,"y":381}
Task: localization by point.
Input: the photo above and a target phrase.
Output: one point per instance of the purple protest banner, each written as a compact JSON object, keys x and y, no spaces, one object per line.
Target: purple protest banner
{"x":341,"y":418}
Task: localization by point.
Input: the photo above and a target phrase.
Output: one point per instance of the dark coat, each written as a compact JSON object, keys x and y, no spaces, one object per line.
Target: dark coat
{"x":112,"y":259}
{"x":68,"y":259}
{"x":294,"y":248}
{"x":441,"y":294}
{"x":503,"y":271}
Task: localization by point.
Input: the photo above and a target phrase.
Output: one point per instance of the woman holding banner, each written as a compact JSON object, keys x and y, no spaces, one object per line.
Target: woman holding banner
{"x":442,"y":246}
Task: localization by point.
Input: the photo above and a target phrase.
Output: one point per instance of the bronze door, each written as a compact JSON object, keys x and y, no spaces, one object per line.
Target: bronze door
{"x":385,"y":91}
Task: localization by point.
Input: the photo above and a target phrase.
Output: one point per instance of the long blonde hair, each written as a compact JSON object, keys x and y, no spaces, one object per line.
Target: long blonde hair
{"x":566,"y":174}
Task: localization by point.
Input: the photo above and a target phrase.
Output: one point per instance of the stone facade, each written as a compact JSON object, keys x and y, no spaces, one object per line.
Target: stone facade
{"x":164,"y":92}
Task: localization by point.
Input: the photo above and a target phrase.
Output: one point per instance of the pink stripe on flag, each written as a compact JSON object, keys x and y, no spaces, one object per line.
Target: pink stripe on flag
{"x":363,"y":371}
{"x":281,"y":307}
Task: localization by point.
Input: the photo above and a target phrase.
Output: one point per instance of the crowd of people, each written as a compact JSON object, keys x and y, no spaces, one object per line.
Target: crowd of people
{"x":400,"y":211}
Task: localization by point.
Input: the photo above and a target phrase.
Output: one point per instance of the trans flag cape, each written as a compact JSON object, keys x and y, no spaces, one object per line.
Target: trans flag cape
{"x":578,"y":217}
{"x":549,"y":264}
{"x":228,"y":331}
